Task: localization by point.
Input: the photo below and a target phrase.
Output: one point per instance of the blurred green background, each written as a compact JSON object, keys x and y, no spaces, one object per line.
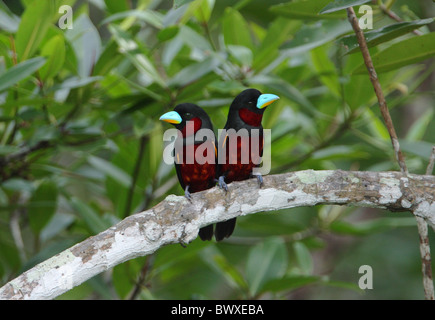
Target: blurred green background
{"x":81,"y":144}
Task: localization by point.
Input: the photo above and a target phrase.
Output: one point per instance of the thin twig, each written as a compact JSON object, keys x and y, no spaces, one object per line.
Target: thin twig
{"x":11,"y":137}
{"x":142,"y":279}
{"x":426,"y":266}
{"x":431,"y":163}
{"x":135,"y":175}
{"x":377,"y":87}
{"x":395,"y":17}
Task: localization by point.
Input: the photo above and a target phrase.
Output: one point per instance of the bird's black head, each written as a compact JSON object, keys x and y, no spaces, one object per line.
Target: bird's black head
{"x":185,"y":112}
{"x":248,"y":108}
{"x":247,"y":99}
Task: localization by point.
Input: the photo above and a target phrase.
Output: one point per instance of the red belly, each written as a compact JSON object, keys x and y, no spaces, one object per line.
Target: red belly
{"x":240,"y":160}
{"x":198,"y":176}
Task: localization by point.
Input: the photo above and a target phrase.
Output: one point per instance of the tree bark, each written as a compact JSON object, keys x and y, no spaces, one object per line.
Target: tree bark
{"x":176,"y":220}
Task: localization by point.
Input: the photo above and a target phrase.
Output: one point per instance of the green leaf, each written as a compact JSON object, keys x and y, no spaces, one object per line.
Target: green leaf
{"x":58,"y":223}
{"x":314,"y":35}
{"x":168,"y":33}
{"x":5,"y":150}
{"x":76,"y":82}
{"x":121,"y":279}
{"x":18,"y":184}
{"x":44,"y":133}
{"x":179,"y":3}
{"x":340,"y":152}
{"x":194,"y":72}
{"x":303,"y":257}
{"x":358,"y":91}
{"x":342,"y":4}
{"x":419,"y":127}
{"x":109,"y":59}
{"x":279,"y":30}
{"x":93,"y":221}
{"x":202,"y":10}
{"x":221,"y":266}
{"x":376,"y":126}
{"x":43,"y":205}
{"x":226,"y":87}
{"x":20,"y":72}
{"x":8,"y":21}
{"x":343,"y":285}
{"x":154,"y":156}
{"x":375,"y":37}
{"x":116,"y":6}
{"x":231,"y":22}
{"x":288,"y":283}
{"x":242,"y":54}
{"x":305,"y":10}
{"x":266,"y":260}
{"x":86,"y":42}
{"x":129,"y":47}
{"x":193,"y":39}
{"x":230,"y":271}
{"x":110,"y":170}
{"x":150,"y":17}
{"x":420,"y":148}
{"x":326,"y":69}
{"x":403,"y":53}
{"x":33,"y":26}
{"x":54,"y":51}
{"x":284,"y":88}
{"x":370,"y":227}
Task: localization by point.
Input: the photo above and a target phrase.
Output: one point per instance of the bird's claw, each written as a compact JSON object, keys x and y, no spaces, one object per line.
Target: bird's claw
{"x":187,"y":194}
{"x":259,"y":179}
{"x":222,"y":184}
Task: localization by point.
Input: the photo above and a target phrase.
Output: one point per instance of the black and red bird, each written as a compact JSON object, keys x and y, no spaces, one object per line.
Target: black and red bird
{"x":194,"y":174}
{"x":236,"y":157}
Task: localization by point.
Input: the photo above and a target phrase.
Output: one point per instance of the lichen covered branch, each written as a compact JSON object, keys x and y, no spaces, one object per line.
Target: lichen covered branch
{"x":176,"y":220}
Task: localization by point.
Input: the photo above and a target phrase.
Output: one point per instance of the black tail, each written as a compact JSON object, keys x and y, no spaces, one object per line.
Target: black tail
{"x":224,"y":229}
{"x":206,"y":233}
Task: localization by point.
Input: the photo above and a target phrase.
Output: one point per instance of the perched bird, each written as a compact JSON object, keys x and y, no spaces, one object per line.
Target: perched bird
{"x":195,"y":166}
{"x":236,"y":156}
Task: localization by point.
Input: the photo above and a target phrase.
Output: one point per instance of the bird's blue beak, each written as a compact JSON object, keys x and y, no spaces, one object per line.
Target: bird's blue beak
{"x":265,"y":99}
{"x":171,"y":117}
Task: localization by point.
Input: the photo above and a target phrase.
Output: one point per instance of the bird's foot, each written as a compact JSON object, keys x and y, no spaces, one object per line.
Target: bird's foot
{"x":259,"y":179}
{"x":222,"y":184}
{"x":187,"y":194}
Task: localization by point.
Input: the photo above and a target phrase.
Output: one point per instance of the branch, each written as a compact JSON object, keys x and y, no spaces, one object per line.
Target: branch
{"x":176,"y":220}
{"x":377,"y":87}
{"x":135,"y":175}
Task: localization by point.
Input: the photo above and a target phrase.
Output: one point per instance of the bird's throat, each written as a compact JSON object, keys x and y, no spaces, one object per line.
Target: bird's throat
{"x":191,"y":127}
{"x":250,"y":118}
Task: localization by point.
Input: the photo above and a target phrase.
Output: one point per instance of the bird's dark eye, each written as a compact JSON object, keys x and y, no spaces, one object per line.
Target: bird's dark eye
{"x":187,"y":115}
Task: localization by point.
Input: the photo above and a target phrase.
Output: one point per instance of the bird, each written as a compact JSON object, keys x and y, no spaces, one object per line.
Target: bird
{"x":194,"y":175}
{"x":236,"y":163}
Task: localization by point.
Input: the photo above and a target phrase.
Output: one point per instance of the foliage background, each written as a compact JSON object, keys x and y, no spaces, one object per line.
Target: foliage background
{"x":81,"y":144}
